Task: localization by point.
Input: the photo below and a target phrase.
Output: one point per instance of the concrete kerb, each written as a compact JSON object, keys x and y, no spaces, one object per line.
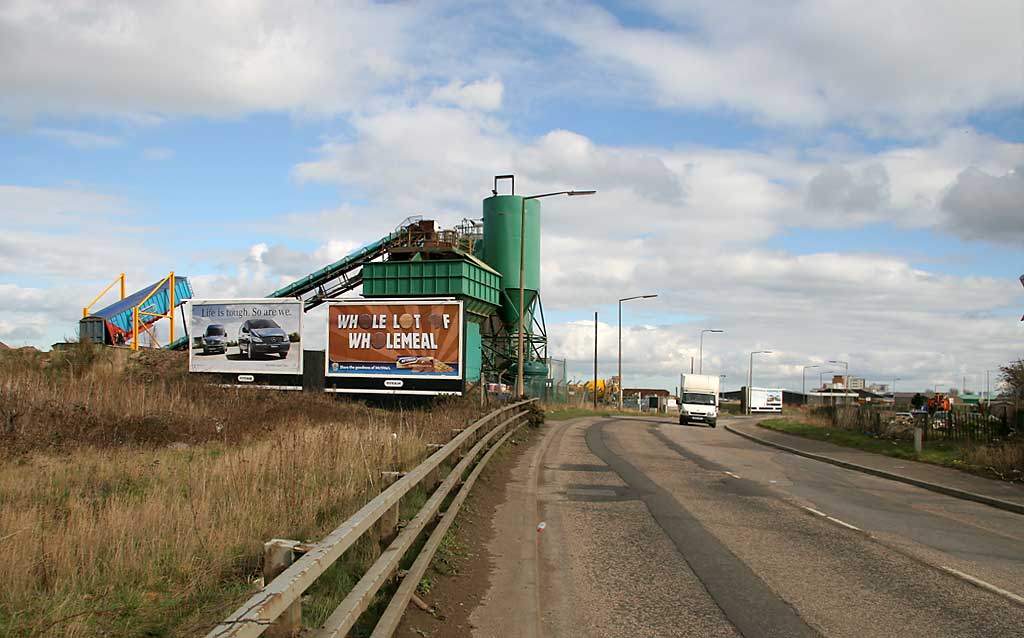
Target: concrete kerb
{"x":1008,"y":506}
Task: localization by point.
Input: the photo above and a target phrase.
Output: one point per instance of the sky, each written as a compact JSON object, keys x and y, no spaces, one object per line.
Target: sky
{"x":828,"y":180}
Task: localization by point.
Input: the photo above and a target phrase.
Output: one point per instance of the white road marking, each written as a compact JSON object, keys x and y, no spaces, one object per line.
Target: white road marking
{"x":733,"y":474}
{"x":831,"y":518}
{"x":986,"y":586}
{"x":843,"y":523}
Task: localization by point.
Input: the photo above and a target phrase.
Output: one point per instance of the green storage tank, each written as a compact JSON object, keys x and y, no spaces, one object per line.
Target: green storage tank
{"x":502,"y":222}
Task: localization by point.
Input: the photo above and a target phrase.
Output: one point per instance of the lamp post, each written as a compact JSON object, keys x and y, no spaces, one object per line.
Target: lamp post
{"x":701,"y":349}
{"x":595,"y":360}
{"x":750,"y":374}
{"x":821,"y":382}
{"x":846,"y":376}
{"x":803,"y":381}
{"x":846,"y":372}
{"x":894,"y":380}
{"x":622,"y":386}
{"x":522,"y":274}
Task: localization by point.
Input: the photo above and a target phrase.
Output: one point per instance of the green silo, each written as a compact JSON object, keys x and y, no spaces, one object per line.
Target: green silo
{"x":502,"y":221}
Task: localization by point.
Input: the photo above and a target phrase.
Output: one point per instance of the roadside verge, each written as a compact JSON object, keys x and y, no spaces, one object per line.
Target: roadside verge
{"x":992,"y":501}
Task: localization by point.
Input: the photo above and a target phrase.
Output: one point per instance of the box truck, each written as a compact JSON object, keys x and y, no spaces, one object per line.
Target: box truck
{"x":698,"y":398}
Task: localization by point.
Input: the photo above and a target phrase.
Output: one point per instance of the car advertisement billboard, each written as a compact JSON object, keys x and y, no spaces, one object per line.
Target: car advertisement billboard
{"x":765,"y":400}
{"x":245,"y":336}
{"x":396,"y":346}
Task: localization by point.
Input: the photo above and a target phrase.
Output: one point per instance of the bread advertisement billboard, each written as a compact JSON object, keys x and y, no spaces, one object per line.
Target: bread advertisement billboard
{"x":396,"y":339}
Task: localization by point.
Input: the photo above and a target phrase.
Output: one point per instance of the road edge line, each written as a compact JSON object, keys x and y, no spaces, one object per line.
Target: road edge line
{"x":1008,"y":506}
{"x":989,"y":587}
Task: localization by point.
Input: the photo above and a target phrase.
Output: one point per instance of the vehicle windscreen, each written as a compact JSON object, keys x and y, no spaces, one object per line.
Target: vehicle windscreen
{"x":215,"y":331}
{"x":699,"y":399}
{"x":262,"y":323}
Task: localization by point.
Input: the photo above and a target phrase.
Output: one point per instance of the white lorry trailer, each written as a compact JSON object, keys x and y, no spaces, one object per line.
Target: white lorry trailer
{"x":698,"y":398}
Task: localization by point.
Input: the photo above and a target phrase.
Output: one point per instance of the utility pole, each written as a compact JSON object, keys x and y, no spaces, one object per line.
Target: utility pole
{"x":701,"y":349}
{"x":750,"y":374}
{"x":803,"y":381}
{"x":595,"y":360}
{"x":520,"y":389}
{"x":622,"y":386}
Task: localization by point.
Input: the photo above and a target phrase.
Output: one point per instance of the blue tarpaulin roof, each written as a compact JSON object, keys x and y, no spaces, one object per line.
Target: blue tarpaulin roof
{"x":119,"y":313}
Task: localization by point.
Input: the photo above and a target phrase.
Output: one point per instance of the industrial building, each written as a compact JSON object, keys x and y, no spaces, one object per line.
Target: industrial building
{"x":491,"y":264}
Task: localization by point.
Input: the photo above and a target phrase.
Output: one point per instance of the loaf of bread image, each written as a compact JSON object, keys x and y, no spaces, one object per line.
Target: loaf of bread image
{"x":422,"y":364}
{"x":441,"y":366}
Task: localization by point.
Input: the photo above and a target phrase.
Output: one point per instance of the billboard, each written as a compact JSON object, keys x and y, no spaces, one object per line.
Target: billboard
{"x":395,"y":346}
{"x":765,"y":400}
{"x":245,"y":336}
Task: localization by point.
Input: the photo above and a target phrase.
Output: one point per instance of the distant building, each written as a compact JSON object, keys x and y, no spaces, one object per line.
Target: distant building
{"x":857,"y":383}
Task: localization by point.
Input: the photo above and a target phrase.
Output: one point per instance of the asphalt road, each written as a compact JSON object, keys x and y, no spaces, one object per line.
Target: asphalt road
{"x":656,"y":529}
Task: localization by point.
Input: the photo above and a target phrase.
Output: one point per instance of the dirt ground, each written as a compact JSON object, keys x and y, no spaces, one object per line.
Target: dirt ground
{"x":460,"y":573}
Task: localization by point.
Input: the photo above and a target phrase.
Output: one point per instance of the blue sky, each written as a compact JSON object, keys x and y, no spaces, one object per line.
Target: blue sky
{"x":817,"y":178}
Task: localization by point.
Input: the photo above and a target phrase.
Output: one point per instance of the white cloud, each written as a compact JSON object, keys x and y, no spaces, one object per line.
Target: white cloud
{"x":212,"y":58}
{"x":836,"y":188}
{"x":883,"y":316}
{"x":741,"y":195}
{"x":79,"y":139}
{"x":483,"y":94}
{"x":897,"y":70}
{"x":986,"y":207}
{"x":55,"y":207}
{"x":894,"y":68}
{"x":687,"y":223}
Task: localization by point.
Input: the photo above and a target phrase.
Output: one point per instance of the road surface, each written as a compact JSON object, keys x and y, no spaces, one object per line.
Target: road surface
{"x":657,"y":529}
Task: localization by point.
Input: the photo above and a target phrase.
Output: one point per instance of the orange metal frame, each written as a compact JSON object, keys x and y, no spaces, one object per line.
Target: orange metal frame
{"x":136,"y":313}
{"x":85,"y":311}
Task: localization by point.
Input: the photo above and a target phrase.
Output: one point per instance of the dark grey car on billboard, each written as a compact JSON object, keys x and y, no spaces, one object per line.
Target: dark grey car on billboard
{"x":258,"y":337}
{"x":215,"y":339}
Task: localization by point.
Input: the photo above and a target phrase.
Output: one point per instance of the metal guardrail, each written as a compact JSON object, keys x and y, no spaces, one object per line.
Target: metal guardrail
{"x":277,"y":605}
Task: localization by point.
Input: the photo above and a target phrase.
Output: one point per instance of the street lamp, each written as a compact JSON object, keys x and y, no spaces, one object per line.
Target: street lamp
{"x":522,"y":273}
{"x":803,"y":381}
{"x":846,"y":372}
{"x":750,"y":374}
{"x":821,"y":382}
{"x":701,"y":349}
{"x":621,"y":385}
{"x":894,"y":380}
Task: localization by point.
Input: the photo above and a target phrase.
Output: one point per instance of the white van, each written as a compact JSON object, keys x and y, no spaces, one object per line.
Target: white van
{"x":698,"y":398}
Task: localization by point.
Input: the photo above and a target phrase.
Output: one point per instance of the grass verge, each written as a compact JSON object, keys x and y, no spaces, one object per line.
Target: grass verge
{"x":135,"y":500}
{"x":1003,"y":462}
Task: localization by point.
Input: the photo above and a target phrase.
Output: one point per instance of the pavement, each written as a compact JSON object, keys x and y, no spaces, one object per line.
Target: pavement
{"x":922,"y":472}
{"x":656,"y":529}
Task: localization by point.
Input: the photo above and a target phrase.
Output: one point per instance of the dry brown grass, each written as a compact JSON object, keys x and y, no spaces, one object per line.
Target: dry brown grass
{"x":148,"y":539}
{"x":1005,"y":460}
